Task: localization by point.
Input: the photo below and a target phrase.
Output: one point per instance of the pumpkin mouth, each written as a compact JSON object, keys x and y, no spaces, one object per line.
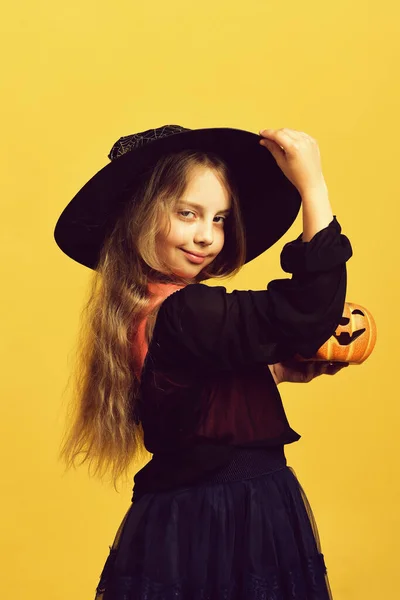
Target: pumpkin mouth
{"x":345,"y":338}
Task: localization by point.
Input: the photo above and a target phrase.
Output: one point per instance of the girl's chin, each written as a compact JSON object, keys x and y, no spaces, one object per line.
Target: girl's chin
{"x":187,"y":273}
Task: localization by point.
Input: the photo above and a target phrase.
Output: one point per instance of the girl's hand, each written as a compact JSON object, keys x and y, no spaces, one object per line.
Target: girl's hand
{"x":294,"y":371}
{"x":297,"y":155}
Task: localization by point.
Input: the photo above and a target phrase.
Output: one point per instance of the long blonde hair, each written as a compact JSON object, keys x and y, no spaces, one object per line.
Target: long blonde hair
{"x":101,"y":425}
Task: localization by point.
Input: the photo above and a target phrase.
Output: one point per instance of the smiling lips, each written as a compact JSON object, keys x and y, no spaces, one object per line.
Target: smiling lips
{"x":195,"y":257}
{"x":345,"y":338}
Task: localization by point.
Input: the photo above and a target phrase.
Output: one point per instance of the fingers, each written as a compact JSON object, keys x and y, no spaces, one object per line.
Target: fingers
{"x":273,"y":145}
{"x":317,"y":368}
{"x":331,"y":368}
{"x":287,"y":139}
{"x":283,"y":132}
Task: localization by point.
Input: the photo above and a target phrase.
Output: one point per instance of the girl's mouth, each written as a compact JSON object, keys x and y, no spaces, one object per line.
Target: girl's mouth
{"x":193,"y":258}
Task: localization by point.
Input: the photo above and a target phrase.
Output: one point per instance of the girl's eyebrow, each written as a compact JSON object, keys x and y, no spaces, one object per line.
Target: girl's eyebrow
{"x":199,"y":207}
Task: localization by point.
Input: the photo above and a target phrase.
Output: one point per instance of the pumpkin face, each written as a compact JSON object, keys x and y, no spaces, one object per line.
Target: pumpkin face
{"x":354,"y":338}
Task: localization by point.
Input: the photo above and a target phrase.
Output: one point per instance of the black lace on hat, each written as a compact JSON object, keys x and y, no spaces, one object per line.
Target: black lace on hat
{"x":137,"y":140}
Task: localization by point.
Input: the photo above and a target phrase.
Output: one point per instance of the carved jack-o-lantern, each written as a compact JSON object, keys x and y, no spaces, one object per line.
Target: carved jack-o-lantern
{"x":353,"y":340}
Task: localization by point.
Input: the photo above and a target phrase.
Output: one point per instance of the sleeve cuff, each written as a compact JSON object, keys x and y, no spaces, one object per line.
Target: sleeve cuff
{"x":325,"y":251}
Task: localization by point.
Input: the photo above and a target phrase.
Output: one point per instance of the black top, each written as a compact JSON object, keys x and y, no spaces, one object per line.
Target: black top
{"x":205,"y":385}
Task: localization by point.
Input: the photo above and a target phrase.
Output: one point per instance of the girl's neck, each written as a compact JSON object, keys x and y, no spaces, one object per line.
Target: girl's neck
{"x":163,"y":284}
{"x":161,"y":289}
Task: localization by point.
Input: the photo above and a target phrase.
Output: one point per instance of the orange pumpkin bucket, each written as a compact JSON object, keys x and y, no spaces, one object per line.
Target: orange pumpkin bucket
{"x":353,"y":340}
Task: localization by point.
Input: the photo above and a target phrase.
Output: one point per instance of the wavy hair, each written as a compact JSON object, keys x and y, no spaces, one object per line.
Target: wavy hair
{"x":101,"y":426}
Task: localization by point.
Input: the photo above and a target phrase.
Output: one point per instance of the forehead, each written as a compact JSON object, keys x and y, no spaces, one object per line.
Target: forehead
{"x":206,"y":188}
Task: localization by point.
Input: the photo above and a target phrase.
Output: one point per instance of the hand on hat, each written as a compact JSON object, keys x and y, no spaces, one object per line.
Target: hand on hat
{"x":294,"y":371}
{"x":297,"y":155}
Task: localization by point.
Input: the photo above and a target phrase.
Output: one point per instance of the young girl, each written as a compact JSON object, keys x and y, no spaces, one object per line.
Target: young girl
{"x":189,"y":372}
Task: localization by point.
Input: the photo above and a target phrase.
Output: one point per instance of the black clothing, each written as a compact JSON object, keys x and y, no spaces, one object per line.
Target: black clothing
{"x":217,"y":513}
{"x":206,"y":386}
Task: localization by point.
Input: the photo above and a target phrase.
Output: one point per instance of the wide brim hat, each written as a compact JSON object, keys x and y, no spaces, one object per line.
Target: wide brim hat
{"x":269,"y":202}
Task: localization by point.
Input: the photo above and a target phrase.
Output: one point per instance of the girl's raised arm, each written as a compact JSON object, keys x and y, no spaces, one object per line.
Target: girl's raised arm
{"x":205,"y":328}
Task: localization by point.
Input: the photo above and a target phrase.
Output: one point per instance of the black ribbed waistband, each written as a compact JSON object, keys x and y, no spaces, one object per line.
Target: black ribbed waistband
{"x":250,"y":462}
{"x":164,"y":473}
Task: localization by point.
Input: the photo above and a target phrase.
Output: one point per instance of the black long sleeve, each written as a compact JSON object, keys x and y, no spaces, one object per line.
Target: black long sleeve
{"x":202,"y":328}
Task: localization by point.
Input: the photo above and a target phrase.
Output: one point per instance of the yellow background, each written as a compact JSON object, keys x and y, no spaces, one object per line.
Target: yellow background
{"x":78,"y":75}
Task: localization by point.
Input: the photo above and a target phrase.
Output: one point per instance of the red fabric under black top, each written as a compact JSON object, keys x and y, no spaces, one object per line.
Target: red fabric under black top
{"x":205,"y":384}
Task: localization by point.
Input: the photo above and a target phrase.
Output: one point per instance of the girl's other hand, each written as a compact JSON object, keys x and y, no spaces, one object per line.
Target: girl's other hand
{"x":297,"y":155}
{"x":294,"y":371}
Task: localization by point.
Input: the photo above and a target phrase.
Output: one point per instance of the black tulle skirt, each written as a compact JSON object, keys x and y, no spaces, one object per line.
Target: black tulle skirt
{"x":248,"y":533}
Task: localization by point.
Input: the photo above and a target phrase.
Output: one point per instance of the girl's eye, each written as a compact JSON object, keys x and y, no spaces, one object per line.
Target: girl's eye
{"x":185,"y":214}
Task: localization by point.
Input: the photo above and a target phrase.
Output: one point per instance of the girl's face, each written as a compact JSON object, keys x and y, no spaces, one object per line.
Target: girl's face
{"x":196,"y":234}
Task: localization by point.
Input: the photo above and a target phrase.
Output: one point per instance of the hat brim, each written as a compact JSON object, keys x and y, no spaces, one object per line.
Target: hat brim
{"x":269,"y":201}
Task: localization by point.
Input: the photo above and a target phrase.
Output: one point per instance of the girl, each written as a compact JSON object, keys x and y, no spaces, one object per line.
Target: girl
{"x":190,"y":372}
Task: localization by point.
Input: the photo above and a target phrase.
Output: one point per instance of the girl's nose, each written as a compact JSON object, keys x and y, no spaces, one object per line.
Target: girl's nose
{"x":204,"y":233}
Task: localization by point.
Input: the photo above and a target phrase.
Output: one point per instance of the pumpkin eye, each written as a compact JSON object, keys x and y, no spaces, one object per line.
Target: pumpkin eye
{"x":357,"y":312}
{"x":344,"y":321}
